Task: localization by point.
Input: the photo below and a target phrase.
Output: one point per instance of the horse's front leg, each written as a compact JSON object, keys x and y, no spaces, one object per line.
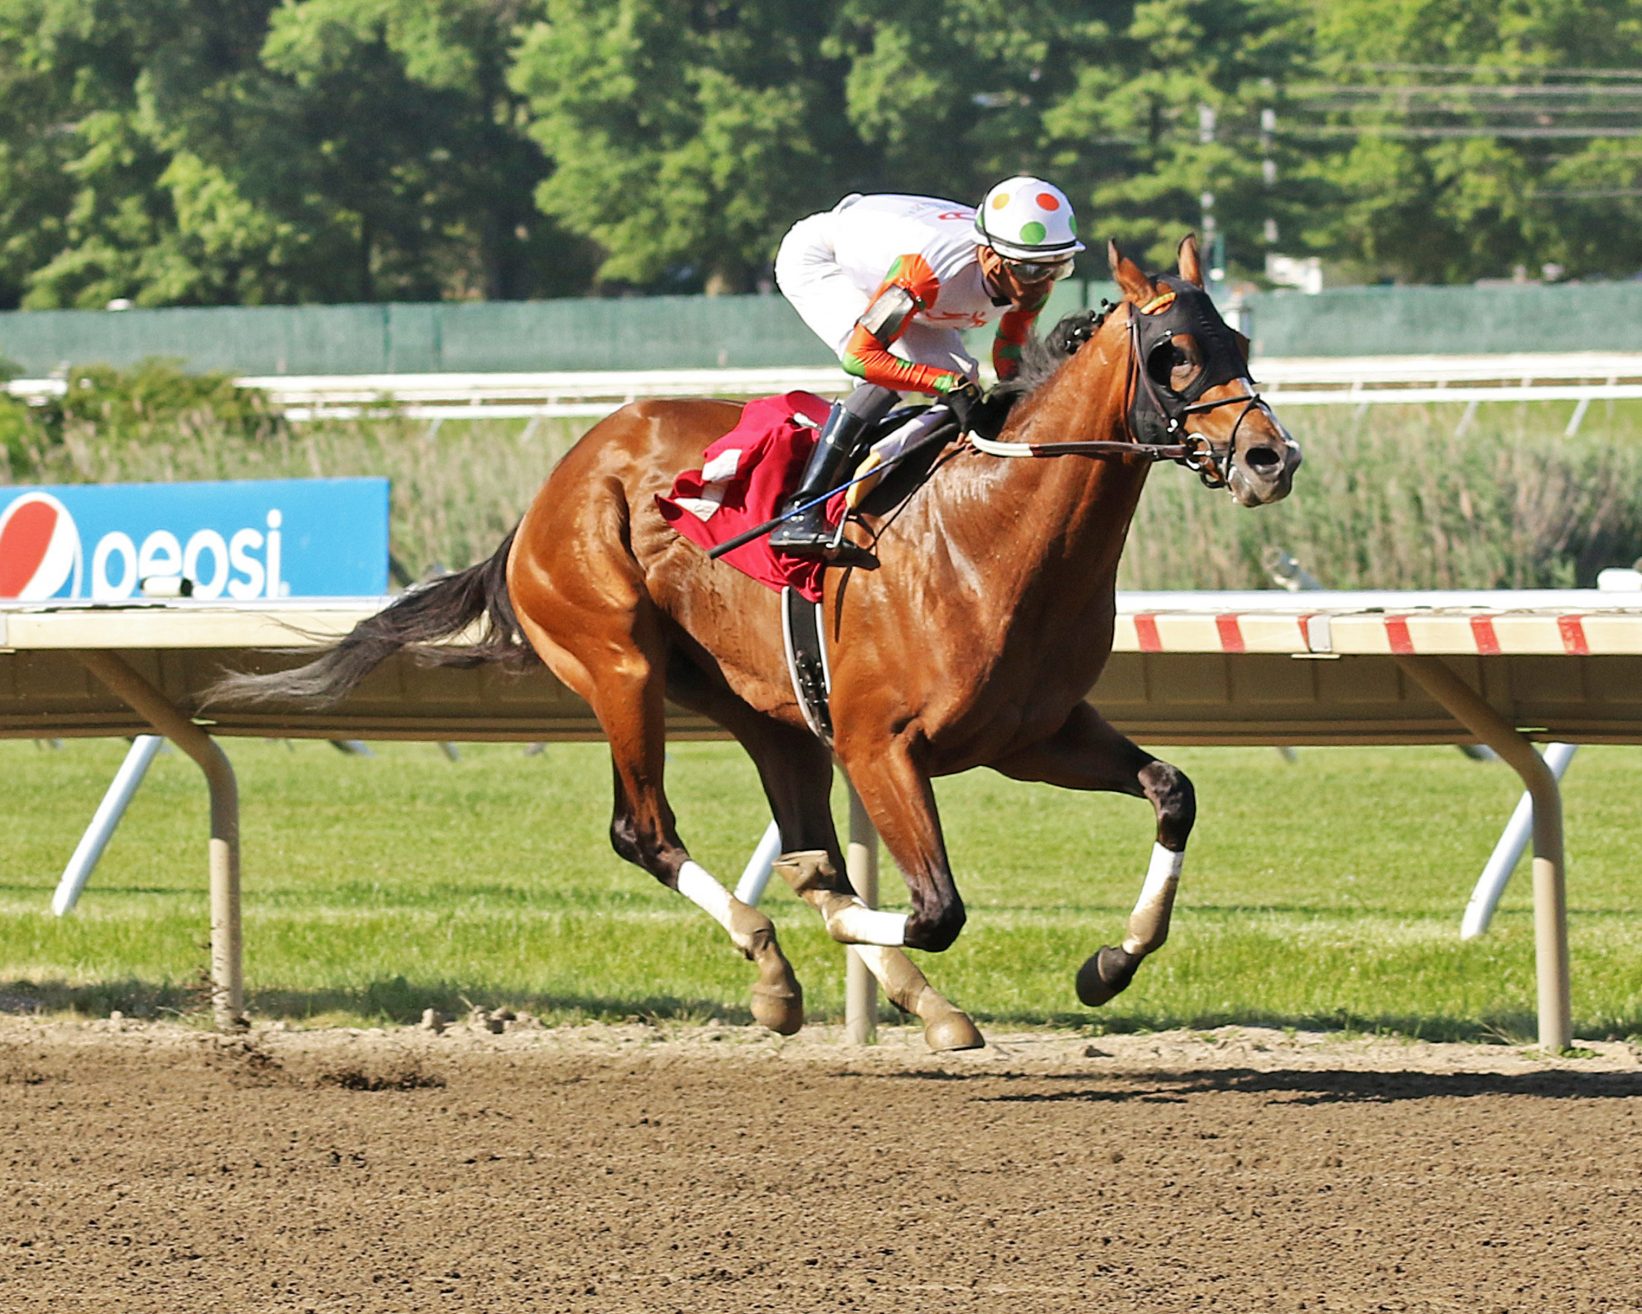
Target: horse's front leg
{"x":901,"y":802}
{"x":813,"y":877}
{"x":1087,"y":753}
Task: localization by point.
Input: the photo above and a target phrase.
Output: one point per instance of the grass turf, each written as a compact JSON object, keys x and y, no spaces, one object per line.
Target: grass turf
{"x":1324,"y":892}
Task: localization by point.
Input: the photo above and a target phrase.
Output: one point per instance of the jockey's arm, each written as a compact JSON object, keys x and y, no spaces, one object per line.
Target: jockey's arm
{"x":909,"y":287}
{"x":1013,"y":330}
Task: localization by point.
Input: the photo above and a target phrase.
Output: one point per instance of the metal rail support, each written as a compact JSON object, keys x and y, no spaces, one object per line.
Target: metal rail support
{"x":104,"y":820}
{"x":1550,"y":890}
{"x":860,"y":986}
{"x":756,"y":874}
{"x":227,"y":978}
{"x":1508,"y":851}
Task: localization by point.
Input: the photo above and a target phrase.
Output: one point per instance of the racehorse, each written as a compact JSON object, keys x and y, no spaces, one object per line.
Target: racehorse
{"x":973,"y":644}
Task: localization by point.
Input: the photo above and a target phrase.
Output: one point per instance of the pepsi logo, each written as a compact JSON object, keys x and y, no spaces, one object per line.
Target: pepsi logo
{"x":40,"y":549}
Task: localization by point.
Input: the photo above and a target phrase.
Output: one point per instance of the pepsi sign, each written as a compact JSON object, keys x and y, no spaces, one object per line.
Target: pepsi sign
{"x":277,"y":538}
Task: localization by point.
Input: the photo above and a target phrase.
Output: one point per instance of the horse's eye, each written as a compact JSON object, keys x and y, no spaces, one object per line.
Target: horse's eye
{"x":1162,"y":364}
{"x":1174,"y":363}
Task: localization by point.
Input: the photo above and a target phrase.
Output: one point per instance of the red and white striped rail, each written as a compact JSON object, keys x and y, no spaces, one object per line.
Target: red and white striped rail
{"x":1575,"y":623}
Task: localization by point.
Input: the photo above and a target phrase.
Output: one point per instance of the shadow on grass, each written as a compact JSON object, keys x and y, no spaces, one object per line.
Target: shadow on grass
{"x":1512,"y":1028}
{"x":402,"y":1002}
{"x":395,"y":1001}
{"x":1333,"y":1086}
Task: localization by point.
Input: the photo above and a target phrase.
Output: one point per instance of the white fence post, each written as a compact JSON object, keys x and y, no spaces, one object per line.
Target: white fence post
{"x":860,"y":986}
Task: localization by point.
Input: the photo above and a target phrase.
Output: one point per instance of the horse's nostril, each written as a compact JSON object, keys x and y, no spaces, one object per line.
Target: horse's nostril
{"x":1263,"y":459}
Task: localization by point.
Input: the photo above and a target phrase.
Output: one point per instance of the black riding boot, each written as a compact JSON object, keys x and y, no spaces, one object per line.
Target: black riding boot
{"x":809,"y":534}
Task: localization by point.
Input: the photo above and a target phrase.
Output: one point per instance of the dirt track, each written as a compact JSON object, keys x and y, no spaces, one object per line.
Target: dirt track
{"x":158,"y":1169}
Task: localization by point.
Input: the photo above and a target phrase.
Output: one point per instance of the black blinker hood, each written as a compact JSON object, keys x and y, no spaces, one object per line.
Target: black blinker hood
{"x":1157,"y":414}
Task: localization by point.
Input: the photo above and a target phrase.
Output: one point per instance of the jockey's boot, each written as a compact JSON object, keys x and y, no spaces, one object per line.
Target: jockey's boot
{"x":809,"y":534}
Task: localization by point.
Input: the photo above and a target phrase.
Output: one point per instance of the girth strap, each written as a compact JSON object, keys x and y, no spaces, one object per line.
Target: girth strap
{"x":807,"y":661}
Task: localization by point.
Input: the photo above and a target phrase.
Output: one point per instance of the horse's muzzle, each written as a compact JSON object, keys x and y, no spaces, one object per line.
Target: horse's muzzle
{"x":1262,"y":468}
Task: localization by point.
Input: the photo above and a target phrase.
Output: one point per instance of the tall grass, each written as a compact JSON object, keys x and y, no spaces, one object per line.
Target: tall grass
{"x":1394,"y":499}
{"x":1391,"y":498}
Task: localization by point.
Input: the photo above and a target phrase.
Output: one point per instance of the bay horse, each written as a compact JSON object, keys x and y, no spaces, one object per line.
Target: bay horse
{"x":974,"y":644}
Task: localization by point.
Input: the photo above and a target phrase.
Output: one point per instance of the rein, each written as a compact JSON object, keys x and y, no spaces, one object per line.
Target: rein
{"x":1185,"y":453}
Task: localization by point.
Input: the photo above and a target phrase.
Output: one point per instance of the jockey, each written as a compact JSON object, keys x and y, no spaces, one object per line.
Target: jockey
{"x":889,"y":282}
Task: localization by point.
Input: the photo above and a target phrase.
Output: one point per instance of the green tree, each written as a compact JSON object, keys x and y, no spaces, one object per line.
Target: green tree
{"x":951,"y":99}
{"x":1460,"y":139}
{"x":393,"y":130}
{"x":1176,"y":107}
{"x":682,"y":132}
{"x":244,"y":151}
{"x":114,"y":92}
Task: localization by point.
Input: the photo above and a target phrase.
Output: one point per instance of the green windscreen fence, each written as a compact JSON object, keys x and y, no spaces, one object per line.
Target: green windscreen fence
{"x":1448,"y":321}
{"x":747,"y":331}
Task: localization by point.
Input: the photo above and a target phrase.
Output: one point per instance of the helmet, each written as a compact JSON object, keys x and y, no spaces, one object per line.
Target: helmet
{"x":1027,"y":219}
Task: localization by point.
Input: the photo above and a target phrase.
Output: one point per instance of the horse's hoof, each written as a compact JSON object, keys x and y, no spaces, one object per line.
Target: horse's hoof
{"x":779,"y":1007}
{"x":952,"y":1031}
{"x":1105,"y":975}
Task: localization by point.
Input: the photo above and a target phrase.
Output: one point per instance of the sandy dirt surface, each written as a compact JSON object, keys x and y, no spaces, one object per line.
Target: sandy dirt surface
{"x":154,"y":1168}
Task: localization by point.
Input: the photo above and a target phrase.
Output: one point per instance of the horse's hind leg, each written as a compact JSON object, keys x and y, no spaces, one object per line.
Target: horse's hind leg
{"x":1087,"y":753}
{"x":613,"y":657}
{"x":777,"y":998}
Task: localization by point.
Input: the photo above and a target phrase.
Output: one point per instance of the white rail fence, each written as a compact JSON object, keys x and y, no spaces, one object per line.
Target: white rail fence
{"x":1580,"y":378}
{"x":1502,"y":669}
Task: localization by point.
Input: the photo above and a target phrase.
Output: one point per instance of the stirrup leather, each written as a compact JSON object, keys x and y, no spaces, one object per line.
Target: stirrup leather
{"x":841,"y":551}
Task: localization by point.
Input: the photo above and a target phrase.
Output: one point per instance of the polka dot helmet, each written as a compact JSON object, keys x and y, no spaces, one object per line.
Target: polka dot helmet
{"x":1027,"y":219}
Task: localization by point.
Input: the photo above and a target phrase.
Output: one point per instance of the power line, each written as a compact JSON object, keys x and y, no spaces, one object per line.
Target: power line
{"x":1504,"y":132}
{"x":1577,"y":70}
{"x":1484,"y":90}
{"x":1587,"y":193}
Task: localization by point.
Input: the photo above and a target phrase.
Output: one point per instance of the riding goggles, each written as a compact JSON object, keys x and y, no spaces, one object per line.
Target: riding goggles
{"x":1039,"y":271}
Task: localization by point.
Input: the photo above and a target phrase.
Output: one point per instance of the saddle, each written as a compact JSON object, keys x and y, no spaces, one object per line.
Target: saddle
{"x":899,"y":452}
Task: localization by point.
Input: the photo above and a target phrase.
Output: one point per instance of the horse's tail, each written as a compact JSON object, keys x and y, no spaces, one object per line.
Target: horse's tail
{"x":414,"y":622}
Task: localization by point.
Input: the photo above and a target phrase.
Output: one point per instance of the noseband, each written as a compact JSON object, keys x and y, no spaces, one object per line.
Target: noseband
{"x":1156,"y":417}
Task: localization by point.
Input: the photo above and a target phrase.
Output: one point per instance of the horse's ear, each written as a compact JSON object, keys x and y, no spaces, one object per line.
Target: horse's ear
{"x":1128,"y":275}
{"x":1190,"y":268}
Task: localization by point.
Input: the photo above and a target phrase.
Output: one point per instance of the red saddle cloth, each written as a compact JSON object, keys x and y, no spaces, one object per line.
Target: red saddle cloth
{"x":744,"y":477}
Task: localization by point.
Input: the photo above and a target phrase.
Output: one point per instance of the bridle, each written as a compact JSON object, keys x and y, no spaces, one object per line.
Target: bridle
{"x":1156,"y":417}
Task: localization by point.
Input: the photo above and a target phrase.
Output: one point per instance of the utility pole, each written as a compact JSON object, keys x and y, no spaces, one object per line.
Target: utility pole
{"x":1268,"y":168}
{"x":1214,"y":246}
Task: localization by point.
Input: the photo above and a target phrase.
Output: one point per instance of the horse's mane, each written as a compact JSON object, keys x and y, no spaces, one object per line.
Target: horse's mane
{"x":1042,"y":356}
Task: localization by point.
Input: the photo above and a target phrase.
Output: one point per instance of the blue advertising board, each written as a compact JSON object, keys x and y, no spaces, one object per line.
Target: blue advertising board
{"x":276,"y":538}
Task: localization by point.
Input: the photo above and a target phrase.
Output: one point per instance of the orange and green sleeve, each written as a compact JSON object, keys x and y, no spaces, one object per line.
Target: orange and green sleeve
{"x":867,"y":354}
{"x":1013,"y":330}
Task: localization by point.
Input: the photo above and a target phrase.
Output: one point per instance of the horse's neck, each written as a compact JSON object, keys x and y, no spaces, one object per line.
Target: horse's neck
{"x":1051,"y":528}
{"x":1054,"y":525}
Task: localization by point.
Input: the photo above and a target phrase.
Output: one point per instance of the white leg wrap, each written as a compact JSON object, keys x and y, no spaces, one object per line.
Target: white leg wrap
{"x":1151,"y":912}
{"x":858,"y":924}
{"x":697,"y":885}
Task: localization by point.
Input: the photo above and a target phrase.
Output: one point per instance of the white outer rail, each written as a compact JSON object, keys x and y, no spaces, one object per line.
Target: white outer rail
{"x":1580,"y":377}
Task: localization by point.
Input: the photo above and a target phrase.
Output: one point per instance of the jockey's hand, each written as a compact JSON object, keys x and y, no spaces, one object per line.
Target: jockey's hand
{"x":963,"y":399}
